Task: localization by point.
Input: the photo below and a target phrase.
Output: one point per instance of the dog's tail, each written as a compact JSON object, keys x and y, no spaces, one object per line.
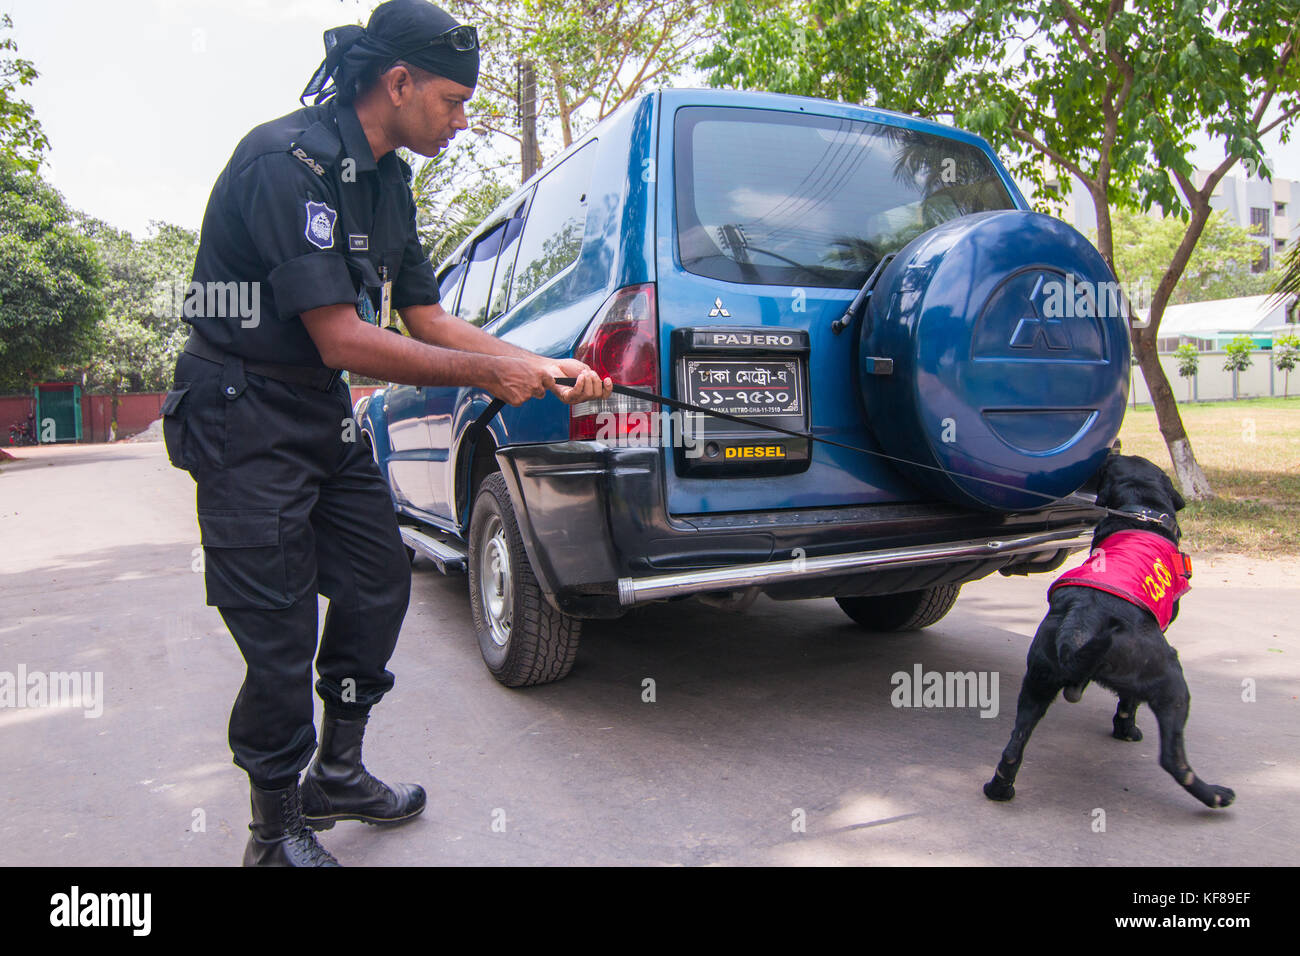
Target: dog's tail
{"x":1080,"y":647}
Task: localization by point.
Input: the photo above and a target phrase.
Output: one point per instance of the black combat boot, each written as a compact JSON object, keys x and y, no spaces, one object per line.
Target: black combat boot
{"x":280,"y":836}
{"x":338,"y":787}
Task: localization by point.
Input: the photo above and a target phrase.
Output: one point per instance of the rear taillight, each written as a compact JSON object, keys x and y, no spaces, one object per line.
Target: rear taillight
{"x":623,"y":344}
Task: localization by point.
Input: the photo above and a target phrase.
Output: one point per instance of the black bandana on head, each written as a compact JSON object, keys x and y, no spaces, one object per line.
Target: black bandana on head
{"x":397,"y":30}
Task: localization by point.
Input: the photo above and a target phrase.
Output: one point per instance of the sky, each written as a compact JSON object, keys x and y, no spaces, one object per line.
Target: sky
{"x":144,"y":100}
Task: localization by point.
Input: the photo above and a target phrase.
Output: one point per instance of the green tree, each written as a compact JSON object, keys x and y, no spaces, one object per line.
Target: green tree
{"x":128,"y":356}
{"x":1238,"y":351}
{"x":50,"y":281}
{"x":1238,"y":358}
{"x":590,"y":57}
{"x":453,"y":194}
{"x":1188,"y":359}
{"x":1286,"y":352}
{"x":135,"y":346}
{"x":1288,"y":281}
{"x":1107,"y":92}
{"x":21,"y":137}
{"x":1219,"y":268}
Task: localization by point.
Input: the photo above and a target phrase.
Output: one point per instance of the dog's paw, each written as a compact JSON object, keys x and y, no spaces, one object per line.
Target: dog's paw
{"x":1220,"y":797}
{"x":998,"y":789}
{"x":1131,"y":733}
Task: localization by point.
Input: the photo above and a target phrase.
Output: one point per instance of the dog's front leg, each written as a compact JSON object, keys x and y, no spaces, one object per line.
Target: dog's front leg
{"x":1171,"y":708}
{"x":1037,"y":692}
{"x":1125,"y":721}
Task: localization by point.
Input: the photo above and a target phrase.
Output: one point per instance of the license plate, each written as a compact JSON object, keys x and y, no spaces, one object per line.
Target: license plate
{"x":761,"y":389}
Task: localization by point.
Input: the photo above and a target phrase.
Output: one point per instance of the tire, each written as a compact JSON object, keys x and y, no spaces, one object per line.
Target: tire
{"x":524,"y":640}
{"x":905,"y":611}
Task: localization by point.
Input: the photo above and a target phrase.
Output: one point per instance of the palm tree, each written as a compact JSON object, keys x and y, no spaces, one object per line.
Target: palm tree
{"x":1288,"y":283}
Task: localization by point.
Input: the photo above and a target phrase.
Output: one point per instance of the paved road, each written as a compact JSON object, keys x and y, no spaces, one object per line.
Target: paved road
{"x":759,"y":720}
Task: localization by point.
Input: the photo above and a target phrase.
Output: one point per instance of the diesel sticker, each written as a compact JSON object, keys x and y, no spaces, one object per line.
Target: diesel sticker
{"x":754,"y":451}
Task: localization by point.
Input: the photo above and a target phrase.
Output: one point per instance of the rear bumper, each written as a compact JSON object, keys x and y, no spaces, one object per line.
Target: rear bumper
{"x":599,"y":537}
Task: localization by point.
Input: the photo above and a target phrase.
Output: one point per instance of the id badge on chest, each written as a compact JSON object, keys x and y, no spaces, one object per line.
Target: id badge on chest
{"x":366,"y":307}
{"x":385,"y":299}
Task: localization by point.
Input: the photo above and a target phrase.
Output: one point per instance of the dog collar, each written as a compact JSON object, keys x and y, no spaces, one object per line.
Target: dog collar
{"x":1148,"y":515}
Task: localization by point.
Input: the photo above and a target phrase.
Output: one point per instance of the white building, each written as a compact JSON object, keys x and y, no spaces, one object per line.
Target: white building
{"x":1211,"y":325}
{"x":1270,"y":209}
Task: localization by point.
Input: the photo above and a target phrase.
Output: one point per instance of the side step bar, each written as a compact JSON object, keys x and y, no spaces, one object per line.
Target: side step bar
{"x":637,"y":590}
{"x":445,"y":554}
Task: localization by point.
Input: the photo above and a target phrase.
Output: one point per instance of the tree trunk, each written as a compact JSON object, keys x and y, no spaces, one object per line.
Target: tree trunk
{"x":1105,"y":234}
{"x":562,"y":105}
{"x":528,"y":114}
{"x":1191,"y":480}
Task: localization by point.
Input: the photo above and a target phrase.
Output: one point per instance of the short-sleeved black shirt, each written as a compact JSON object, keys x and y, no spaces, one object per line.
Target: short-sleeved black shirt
{"x":303,"y":210}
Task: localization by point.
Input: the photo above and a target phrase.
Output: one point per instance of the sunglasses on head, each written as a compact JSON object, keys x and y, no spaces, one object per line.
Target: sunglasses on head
{"x":460,"y":39}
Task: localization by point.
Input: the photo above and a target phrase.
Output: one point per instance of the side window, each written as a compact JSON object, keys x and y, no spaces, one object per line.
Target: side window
{"x":478,"y":279}
{"x":505,"y":267}
{"x":552,"y":235}
{"x":449,"y":286}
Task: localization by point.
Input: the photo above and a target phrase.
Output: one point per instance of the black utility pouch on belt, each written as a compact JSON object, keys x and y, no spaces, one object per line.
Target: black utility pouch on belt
{"x":174,"y":409}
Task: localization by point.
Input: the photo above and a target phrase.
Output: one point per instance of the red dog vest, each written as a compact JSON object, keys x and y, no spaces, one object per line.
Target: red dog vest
{"x":1142,"y":567}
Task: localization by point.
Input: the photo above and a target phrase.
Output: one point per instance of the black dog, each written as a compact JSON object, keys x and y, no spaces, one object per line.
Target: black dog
{"x":1091,"y":633}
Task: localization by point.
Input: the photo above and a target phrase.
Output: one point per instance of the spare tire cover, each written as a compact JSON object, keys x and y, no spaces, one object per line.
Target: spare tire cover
{"x":1010,"y":356}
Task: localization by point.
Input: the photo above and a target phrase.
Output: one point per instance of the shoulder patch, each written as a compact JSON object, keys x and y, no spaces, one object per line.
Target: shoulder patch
{"x":301,"y":155}
{"x":320,"y":224}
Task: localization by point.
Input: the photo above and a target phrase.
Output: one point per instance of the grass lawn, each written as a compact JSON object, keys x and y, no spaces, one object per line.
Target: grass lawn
{"x":1250,"y":451}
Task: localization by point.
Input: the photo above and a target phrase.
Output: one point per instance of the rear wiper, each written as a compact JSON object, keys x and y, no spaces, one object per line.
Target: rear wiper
{"x":845,"y":320}
{"x":734,"y":238}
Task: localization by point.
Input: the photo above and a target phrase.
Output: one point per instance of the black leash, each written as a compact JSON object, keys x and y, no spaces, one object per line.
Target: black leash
{"x":1143,"y":514}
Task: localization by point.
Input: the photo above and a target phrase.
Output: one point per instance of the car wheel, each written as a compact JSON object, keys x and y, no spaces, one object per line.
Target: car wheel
{"x":905,"y":611}
{"x":523,"y":639}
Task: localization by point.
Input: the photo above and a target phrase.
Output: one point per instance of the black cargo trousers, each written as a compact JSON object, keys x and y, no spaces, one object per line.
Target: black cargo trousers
{"x":290,"y":504}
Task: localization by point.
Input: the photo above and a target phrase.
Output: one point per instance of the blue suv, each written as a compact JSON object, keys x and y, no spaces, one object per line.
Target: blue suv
{"x":842,"y":272}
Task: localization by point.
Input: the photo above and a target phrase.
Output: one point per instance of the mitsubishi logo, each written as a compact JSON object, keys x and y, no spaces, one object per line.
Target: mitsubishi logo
{"x":718,"y":309}
{"x":1032,"y":327}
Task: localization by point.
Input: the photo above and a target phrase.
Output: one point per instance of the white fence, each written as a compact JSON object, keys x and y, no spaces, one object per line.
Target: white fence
{"x":1212,"y":383}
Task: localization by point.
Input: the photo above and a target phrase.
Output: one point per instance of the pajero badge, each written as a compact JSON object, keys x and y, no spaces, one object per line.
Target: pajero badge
{"x":320,"y":225}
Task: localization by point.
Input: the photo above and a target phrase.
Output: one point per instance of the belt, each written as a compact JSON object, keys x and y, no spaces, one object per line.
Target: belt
{"x":321,"y":378}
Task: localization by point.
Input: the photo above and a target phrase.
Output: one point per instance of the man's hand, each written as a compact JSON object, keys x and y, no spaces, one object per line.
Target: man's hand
{"x":587,"y":388}
{"x":516,"y":380}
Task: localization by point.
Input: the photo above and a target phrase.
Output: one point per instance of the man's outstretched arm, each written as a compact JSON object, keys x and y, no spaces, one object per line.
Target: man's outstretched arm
{"x":344,"y":341}
{"x":436,"y":326}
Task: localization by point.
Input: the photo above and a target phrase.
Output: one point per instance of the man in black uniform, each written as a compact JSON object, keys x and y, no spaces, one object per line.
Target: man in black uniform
{"x":308,"y":238}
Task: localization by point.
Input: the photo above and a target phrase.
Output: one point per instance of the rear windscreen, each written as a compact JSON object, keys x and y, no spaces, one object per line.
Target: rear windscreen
{"x":777,"y":198}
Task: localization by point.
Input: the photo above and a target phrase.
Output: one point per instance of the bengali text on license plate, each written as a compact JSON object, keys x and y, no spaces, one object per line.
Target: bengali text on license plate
{"x":745,"y":388}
